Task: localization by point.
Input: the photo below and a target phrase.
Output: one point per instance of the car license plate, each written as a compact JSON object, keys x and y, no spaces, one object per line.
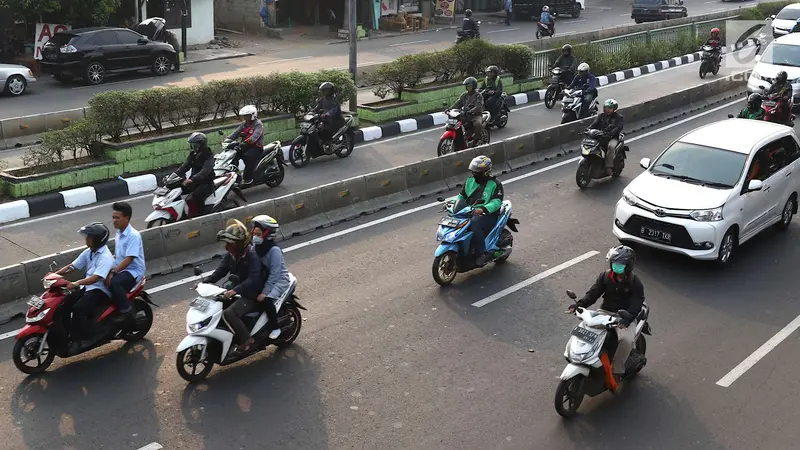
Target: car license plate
{"x":452,"y":121}
{"x":585,"y":335}
{"x":36,"y":302}
{"x":656,"y":234}
{"x":161,"y":191}
{"x":448,"y":222}
{"x":200,"y":304}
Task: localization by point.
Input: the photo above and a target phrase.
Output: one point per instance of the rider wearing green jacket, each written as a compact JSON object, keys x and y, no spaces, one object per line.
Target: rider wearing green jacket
{"x":753,"y":109}
{"x":486,"y":192}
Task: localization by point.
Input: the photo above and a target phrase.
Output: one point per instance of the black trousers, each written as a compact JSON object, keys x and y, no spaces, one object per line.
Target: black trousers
{"x":198,"y":196}
{"x":480,"y":227}
{"x":83,"y":305}
{"x":251,"y":156}
{"x":234,"y":313}
{"x":121,"y":284}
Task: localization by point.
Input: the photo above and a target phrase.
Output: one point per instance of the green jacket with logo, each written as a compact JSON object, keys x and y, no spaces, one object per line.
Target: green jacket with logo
{"x":745,"y":113}
{"x":488,"y":195}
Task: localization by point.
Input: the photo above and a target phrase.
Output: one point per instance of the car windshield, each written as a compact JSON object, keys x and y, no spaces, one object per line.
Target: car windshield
{"x":788,"y":14}
{"x":60,"y":39}
{"x":647,"y":2}
{"x":698,"y":164}
{"x":782,"y":55}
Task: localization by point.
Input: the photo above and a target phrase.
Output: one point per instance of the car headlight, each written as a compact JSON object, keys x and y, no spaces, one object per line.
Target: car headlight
{"x":707,"y":215}
{"x":195,"y":327}
{"x":630,"y":198}
{"x":37,"y":317}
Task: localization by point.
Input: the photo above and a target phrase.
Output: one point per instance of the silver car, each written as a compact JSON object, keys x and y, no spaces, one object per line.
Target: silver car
{"x":15,"y":79}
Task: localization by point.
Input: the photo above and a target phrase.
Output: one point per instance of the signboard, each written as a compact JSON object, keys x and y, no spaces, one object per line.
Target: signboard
{"x":44,"y":31}
{"x":388,"y":7}
{"x":411,"y":6}
{"x":446,"y":9}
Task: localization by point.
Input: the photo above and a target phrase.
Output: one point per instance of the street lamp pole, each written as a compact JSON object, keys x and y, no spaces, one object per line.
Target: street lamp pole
{"x":184,"y":17}
{"x":353,"y":65}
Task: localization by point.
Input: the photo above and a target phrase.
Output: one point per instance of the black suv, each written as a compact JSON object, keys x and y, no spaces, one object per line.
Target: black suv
{"x":92,"y":53}
{"x":653,"y":10}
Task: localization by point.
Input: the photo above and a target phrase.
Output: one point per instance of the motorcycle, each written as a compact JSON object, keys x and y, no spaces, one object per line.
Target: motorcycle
{"x":455,"y":136}
{"x":500,"y":120}
{"x":555,"y":91}
{"x":46,"y":335}
{"x":269,"y":170}
{"x":210,"y":338}
{"x":169,"y":201}
{"x":589,"y":370}
{"x":771,"y":108}
{"x":572,"y":106}
{"x":593,"y":162}
{"x":543,"y":30}
{"x":709,"y":61}
{"x":308,"y":145}
{"x":467,"y":35}
{"x":454,"y":255}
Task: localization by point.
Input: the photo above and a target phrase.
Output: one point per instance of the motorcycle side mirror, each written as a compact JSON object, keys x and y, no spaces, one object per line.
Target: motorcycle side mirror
{"x":571,"y":294}
{"x":53,"y":266}
{"x":645,"y":163}
{"x":219,"y":132}
{"x":730,"y":116}
{"x":197,"y":271}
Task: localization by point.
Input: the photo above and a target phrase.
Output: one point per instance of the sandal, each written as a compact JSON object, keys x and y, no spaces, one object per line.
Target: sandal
{"x":245,"y":348}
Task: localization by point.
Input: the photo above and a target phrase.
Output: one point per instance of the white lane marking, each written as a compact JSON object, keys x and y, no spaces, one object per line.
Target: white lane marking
{"x":762,"y":351}
{"x":624,"y":15}
{"x":577,"y":21}
{"x":152,"y":446}
{"x":712,"y":1}
{"x":423,"y":207}
{"x":277,"y":61}
{"x":408,"y":43}
{"x":538,"y":277}
{"x":502,"y":31}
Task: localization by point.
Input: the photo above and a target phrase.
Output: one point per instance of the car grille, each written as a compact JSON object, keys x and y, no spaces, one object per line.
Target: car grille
{"x":680,"y":237}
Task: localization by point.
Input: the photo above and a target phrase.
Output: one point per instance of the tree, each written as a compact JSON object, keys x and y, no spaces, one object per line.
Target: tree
{"x":78,"y":13}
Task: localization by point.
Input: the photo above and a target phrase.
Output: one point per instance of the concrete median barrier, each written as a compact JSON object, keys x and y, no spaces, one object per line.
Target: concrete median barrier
{"x":62,"y":119}
{"x":496,"y":152}
{"x":190,"y":241}
{"x":245,"y":214}
{"x":425,"y":178}
{"x":14,"y":283}
{"x":156,"y":259}
{"x":36,"y":269}
{"x":387,"y":188}
{"x":15,"y":129}
{"x":345,"y":200}
{"x":300,"y":213}
{"x":455,"y":167}
{"x":520,"y":151}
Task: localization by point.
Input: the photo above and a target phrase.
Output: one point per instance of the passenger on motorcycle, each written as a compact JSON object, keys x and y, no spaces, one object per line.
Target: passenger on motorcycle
{"x":96,"y":262}
{"x":586,"y":82}
{"x":201,"y":184}
{"x":487,"y":192}
{"x":547,"y":19}
{"x":492,"y":88}
{"x":753,"y":110}
{"x":623,"y":293}
{"x":472,"y":103}
{"x":331,"y":112}
{"x":252,"y":133}
{"x":129,"y":265}
{"x":567,"y":62}
{"x":610,"y":122}
{"x":275,"y":272}
{"x":468,"y":24}
{"x":715,"y":41}
{"x":782,"y":90}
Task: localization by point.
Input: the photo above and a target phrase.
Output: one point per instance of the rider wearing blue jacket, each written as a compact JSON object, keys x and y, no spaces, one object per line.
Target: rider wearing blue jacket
{"x":586,"y":82}
{"x":547,"y":19}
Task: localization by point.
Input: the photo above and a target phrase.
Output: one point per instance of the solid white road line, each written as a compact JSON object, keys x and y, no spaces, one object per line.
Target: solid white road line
{"x":278,"y":61}
{"x":152,"y":446}
{"x":408,"y":43}
{"x":502,"y":31}
{"x":534,"y":279}
{"x":762,"y":351}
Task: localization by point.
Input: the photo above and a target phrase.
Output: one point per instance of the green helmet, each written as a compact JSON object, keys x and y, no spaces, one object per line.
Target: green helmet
{"x":471,"y":81}
{"x":611,"y":104}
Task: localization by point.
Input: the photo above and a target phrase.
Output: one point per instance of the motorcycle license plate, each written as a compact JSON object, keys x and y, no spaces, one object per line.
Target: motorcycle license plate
{"x":585,"y":335}
{"x":36,"y":302}
{"x":657,"y":235}
{"x":770,"y":104}
{"x":452,"y":121}
{"x":448,"y":222}
{"x":161,"y":191}
{"x":200,"y":304}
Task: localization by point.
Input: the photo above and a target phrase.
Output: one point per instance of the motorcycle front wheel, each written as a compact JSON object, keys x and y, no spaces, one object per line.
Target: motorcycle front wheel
{"x":569,"y":395}
{"x":583,"y":175}
{"x":27,"y":350}
{"x":194,"y":375}
{"x":444,"y":268}
{"x":703,"y":69}
{"x":298,"y":154}
{"x":445,"y":147}
{"x":550,"y":96}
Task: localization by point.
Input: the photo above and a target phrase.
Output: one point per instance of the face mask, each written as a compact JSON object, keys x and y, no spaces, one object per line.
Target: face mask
{"x":618,"y":269}
{"x":258,"y":240}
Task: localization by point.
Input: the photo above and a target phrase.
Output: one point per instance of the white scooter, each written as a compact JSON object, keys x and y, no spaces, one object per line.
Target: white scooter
{"x":589,"y":355}
{"x":210,"y":339}
{"x":169,"y":201}
{"x":572,"y":106}
{"x":269,"y":170}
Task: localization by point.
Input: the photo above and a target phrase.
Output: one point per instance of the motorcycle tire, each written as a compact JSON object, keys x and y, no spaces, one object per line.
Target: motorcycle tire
{"x":297,"y":319}
{"x":445,"y":147}
{"x":142,"y":325}
{"x":506,"y":241}
{"x":619,"y":164}
{"x":486,"y":137}
{"x":567,"y":117}
{"x":502,"y":121}
{"x":715,"y":69}
{"x":194,"y":376}
{"x":444,"y":278}
{"x":276,"y":179}
{"x":703,"y":69}
{"x":19,"y":346}
{"x":583,"y":174}
{"x":550,"y":96}
{"x":575,"y":397}
{"x":299,"y":160}
{"x":350,"y":143}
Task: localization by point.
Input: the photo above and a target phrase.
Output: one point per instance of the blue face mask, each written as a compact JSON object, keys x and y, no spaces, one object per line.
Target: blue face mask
{"x":258,"y":240}
{"x":618,"y":269}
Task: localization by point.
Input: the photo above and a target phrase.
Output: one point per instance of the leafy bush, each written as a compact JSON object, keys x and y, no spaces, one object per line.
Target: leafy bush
{"x":110,"y":111}
{"x":516,"y":59}
{"x":404,"y":72}
{"x":762,"y":10}
{"x":79,"y":139}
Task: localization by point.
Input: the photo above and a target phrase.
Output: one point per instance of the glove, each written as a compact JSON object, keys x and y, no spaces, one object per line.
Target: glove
{"x":571,"y":309}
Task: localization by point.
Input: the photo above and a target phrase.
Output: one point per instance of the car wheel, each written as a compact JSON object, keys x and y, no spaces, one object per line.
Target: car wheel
{"x":16,"y":85}
{"x":161,"y":65}
{"x":788,"y":213}
{"x":95,"y":73}
{"x":726,"y":248}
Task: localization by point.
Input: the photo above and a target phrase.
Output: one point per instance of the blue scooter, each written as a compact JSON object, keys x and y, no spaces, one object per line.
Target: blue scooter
{"x":454,"y":254}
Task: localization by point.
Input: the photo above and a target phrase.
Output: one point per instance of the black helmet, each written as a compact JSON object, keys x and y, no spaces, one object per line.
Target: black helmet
{"x":327,"y":85}
{"x":471,"y":81}
{"x":621,"y":254}
{"x":468,"y":13}
{"x":197,"y":140}
{"x":782,"y":76}
{"x":566,"y":49}
{"x":96,"y":230}
{"x":493,"y":69}
{"x":754,"y":101}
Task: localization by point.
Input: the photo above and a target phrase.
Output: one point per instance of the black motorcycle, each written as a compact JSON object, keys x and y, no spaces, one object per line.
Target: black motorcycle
{"x":709,"y":61}
{"x":309,"y":145}
{"x":269,"y":169}
{"x":555,"y":91}
{"x":500,"y":120}
{"x":467,"y":35}
{"x":593,"y":161}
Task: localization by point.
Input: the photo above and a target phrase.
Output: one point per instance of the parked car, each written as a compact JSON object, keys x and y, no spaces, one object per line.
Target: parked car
{"x":781,"y":54}
{"x":94,"y":53}
{"x":654,"y":10}
{"x":784,"y":21}
{"x":15,"y":79}
{"x":713,"y":189}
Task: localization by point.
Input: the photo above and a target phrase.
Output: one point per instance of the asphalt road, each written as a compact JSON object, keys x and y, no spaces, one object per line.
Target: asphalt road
{"x":21,"y":240}
{"x":48,"y":95}
{"x":387,"y":359}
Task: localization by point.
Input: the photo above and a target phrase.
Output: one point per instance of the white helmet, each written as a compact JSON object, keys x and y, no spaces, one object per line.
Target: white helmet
{"x":268,"y":226}
{"x":545,"y":8}
{"x":249,"y":110}
{"x":583,"y":67}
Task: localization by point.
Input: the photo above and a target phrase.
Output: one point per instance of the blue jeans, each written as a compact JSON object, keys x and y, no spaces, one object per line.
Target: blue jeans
{"x":121,"y":284}
{"x":480,"y":227}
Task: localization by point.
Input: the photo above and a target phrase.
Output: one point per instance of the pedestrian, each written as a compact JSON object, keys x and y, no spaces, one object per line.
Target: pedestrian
{"x":508,"y":12}
{"x":173,"y":41}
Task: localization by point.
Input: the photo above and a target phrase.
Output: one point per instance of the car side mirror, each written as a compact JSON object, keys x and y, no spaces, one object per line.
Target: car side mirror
{"x":770,"y":18}
{"x":645,"y":163}
{"x":754,"y":185}
{"x":143,"y":41}
{"x":197,"y":271}
{"x":757,"y":58}
{"x":571,"y":295}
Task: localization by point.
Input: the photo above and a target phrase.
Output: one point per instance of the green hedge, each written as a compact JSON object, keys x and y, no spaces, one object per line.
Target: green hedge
{"x":762,"y":10}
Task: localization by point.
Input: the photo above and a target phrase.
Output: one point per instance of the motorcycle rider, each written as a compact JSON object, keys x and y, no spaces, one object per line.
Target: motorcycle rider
{"x":276,"y":276}
{"x":331,"y":112}
{"x":492,"y":88}
{"x":468,"y":24}
{"x":547,"y":19}
{"x":782,"y":90}
{"x":622,"y":292}
{"x":486,"y":191}
{"x":610,"y":122}
{"x":252,"y":133}
{"x":96,"y":262}
{"x":796,"y":26}
{"x":201,"y":184}
{"x":753,"y":110}
{"x":567,"y":62}
{"x":586,"y":82}
{"x":716,"y":42}
{"x":129,"y":264}
{"x":472,"y":103}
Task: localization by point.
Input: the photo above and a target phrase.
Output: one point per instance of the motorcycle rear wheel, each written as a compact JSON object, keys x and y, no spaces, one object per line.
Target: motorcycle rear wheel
{"x":143,"y":324}
{"x":444,"y":268}
{"x":703,"y":69}
{"x":297,"y":320}
{"x":569,"y":392}
{"x":277,"y":179}
{"x":42,"y":365}
{"x":350,"y":140}
{"x":194,"y":376}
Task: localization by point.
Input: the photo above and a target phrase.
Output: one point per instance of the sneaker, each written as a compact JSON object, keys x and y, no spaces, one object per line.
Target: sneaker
{"x":275,"y":333}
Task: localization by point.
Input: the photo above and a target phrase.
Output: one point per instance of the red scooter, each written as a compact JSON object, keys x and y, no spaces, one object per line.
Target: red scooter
{"x":772,"y":108}
{"x":45,"y":335}
{"x":456,"y":137}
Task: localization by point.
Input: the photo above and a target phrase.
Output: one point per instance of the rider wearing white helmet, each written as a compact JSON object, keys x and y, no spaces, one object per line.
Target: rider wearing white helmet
{"x":252,"y":133}
{"x":586,"y":82}
{"x":486,"y":191}
{"x":547,"y":19}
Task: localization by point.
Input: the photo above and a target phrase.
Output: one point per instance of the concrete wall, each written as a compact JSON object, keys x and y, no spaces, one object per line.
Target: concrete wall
{"x":239,"y":15}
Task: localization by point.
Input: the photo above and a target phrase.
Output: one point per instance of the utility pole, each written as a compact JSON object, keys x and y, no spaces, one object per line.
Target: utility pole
{"x":353,"y":65}
{"x":184,"y":20}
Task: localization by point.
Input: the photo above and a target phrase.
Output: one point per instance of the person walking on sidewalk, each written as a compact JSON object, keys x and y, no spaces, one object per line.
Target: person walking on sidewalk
{"x":173,"y":41}
{"x":508,"y":12}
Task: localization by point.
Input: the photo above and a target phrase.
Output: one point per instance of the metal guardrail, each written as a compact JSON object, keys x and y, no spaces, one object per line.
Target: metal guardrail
{"x":543,"y":59}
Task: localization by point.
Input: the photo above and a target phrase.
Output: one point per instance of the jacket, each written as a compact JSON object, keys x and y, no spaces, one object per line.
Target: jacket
{"x":331,"y":107}
{"x":252,"y":134}
{"x":468,"y":24}
{"x":546,"y":18}
{"x":745,"y":113}
{"x":568,"y":63}
{"x":202,"y":164}
{"x":611,"y":124}
{"x":275,"y":273}
{"x":247,"y":268}
{"x":495,"y":85}
{"x":471,"y":103}
{"x":488,"y":195}
{"x":627,"y":295}
{"x":783,"y":91}
{"x":714,"y":43}
{"x":585,"y":83}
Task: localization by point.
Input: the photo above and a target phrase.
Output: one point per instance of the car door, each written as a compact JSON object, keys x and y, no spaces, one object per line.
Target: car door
{"x":785,"y":160}
{"x":105,"y":45}
{"x":758,"y":206}
{"x":136,"y":54}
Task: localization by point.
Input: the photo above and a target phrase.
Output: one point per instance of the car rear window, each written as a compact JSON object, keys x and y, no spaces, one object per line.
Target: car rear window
{"x":709,"y":164}
{"x":788,"y":14}
{"x":61,"y":39}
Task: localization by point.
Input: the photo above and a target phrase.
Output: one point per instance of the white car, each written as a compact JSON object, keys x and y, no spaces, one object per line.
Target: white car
{"x":781,"y":54}
{"x":14,"y":79}
{"x":783,"y":23}
{"x":712,"y":190}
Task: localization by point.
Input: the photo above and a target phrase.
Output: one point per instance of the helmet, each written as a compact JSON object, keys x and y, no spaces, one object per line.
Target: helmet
{"x":197,"y":140}
{"x":327,"y":85}
{"x":566,"y":49}
{"x":611,"y":104}
{"x":782,"y":76}
{"x":754,"y":101}
{"x":234,"y":233}
{"x":494,"y":69}
{"x":468,"y":13}
{"x":268,"y":225}
{"x":583,"y":67}
{"x":621,"y":255}
{"x":96,"y":230}
{"x":249,"y":110}
{"x":715,"y":31}
{"x":471,"y":81}
{"x":545,"y":8}
{"x":480,"y":164}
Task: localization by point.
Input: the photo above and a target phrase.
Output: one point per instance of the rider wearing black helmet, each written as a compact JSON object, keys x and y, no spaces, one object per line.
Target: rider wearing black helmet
{"x":468,"y":24}
{"x":623,"y":293}
{"x":471,"y":102}
{"x":492,"y":88}
{"x":567,"y":62}
{"x":331,"y":112}
{"x":782,"y":90}
{"x":753,"y":110}
{"x":201,"y":184}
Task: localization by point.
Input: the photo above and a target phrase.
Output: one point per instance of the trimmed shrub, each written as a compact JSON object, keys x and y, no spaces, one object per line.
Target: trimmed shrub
{"x":79,"y":139}
{"x":762,"y":10}
{"x":403,"y":73}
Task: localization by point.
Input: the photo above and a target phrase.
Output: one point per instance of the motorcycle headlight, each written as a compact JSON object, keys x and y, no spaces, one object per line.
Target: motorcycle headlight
{"x":195,"y":327}
{"x":630,"y":198}
{"x":707,"y":215}
{"x":580,"y":356}
{"x":439,"y":234}
{"x":37,"y":317}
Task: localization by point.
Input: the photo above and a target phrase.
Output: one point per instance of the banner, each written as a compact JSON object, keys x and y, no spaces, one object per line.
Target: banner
{"x":446,"y":9}
{"x":388,"y":7}
{"x":44,"y":31}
